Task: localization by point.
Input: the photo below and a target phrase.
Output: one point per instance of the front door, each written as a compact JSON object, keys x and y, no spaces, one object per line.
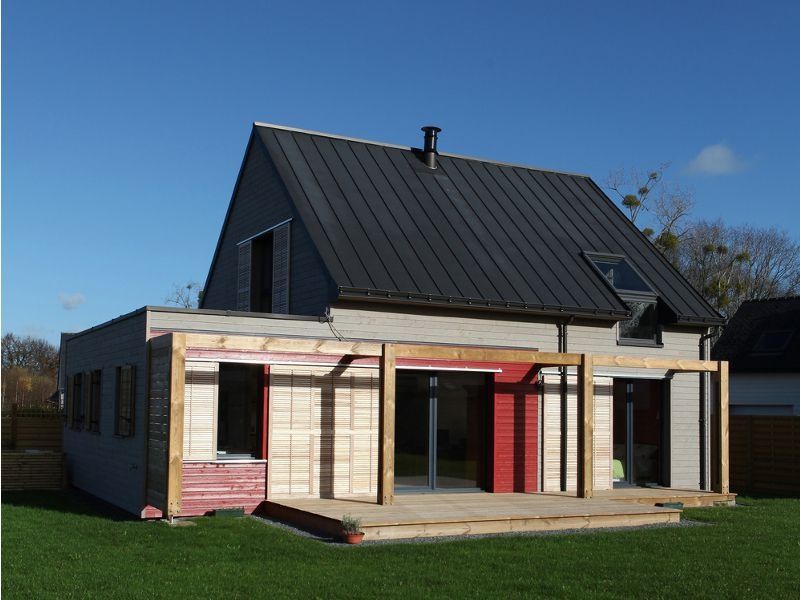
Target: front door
{"x":440,"y":430}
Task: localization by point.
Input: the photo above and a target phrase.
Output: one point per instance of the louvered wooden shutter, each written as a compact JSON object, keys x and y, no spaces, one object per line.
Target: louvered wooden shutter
{"x":200,"y":411}
{"x":126,"y":400}
{"x":280,"y":269}
{"x":86,"y":390}
{"x":551,"y":434}
{"x":243,"y":276}
{"x":324,"y":431}
{"x":70,"y":400}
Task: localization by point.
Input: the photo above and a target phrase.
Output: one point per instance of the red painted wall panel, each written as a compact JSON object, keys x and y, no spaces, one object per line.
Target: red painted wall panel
{"x":211,"y":485}
{"x":515,"y":430}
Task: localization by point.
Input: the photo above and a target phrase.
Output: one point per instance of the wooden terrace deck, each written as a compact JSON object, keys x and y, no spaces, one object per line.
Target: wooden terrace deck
{"x":441,"y":514}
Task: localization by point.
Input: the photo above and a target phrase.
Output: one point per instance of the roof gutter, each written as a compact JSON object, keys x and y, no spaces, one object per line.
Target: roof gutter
{"x":386,"y":296}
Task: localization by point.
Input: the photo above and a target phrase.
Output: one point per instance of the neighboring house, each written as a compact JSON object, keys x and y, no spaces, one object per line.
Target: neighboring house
{"x":762,"y":345}
{"x":380,"y":319}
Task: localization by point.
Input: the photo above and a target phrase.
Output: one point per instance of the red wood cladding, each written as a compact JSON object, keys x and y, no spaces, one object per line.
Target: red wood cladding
{"x":211,"y":485}
{"x":515,"y":429}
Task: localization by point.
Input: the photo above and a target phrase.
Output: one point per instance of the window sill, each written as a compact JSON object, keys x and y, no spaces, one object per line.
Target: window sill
{"x":639,"y":343}
{"x":119,"y":436}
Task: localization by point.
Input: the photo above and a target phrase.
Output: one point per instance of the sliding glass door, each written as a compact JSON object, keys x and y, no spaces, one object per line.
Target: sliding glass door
{"x":638,"y":431}
{"x":440,"y":430}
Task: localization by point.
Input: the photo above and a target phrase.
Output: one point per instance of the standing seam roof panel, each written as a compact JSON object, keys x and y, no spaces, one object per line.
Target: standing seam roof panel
{"x":471,"y":231}
{"x":522,"y":247}
{"x":471,"y":234}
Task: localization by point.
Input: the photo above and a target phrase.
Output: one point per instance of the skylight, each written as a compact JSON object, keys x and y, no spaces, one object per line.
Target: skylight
{"x":620,"y":274}
{"x":772,"y":342}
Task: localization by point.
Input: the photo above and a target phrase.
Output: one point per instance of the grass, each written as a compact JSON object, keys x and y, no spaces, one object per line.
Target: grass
{"x":62,"y":545}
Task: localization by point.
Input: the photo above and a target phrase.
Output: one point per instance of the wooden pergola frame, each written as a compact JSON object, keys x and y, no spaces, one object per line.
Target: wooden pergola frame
{"x":388,"y":353}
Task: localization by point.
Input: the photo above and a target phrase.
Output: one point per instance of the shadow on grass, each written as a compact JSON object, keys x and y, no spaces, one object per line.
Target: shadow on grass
{"x":71,"y":501}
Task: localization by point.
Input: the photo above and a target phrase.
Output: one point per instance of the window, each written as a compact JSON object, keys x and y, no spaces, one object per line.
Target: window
{"x":95,"y":400}
{"x":240,"y":400}
{"x":261,"y":269}
{"x":76,"y":401}
{"x":625,"y":280}
{"x":772,"y":342}
{"x":263,"y":272}
{"x":124,"y":402}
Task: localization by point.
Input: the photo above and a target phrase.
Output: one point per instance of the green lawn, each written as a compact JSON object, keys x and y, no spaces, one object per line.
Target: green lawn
{"x":58,"y":545}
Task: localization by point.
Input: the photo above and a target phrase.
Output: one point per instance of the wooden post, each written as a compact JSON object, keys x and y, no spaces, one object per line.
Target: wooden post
{"x":585,"y":426}
{"x":175,"y":442}
{"x":387,"y":408}
{"x":722,"y":484}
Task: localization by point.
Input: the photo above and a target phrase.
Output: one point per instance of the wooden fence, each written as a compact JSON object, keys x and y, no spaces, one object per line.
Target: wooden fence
{"x":38,"y":429}
{"x":765,"y":454}
{"x":32,"y":457}
{"x":33,"y":470}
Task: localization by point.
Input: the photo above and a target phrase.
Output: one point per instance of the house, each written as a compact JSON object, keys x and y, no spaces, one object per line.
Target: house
{"x":762,"y":345}
{"x":379,"y":321}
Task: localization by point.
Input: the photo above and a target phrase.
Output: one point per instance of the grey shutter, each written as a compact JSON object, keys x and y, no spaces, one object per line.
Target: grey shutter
{"x":280,"y":269}
{"x":243,"y":277}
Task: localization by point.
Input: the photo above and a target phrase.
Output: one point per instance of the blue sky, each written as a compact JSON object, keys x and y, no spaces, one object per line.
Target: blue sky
{"x":124,"y":123}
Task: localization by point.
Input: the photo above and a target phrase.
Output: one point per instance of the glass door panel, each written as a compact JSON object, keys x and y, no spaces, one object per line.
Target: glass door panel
{"x":412,"y":430}
{"x":460,"y":421}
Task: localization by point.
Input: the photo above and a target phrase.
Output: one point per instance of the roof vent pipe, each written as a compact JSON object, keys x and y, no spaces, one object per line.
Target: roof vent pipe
{"x":429,"y":150}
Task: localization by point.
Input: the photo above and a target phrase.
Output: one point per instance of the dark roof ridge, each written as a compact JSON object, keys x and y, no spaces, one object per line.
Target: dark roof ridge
{"x":412,"y":149}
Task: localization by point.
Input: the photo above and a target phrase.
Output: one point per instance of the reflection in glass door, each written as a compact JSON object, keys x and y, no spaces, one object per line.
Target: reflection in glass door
{"x":412,"y":430}
{"x":638,"y":430}
{"x":440,"y":430}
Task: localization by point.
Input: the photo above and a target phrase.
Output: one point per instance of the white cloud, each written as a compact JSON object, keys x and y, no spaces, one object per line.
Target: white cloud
{"x":71,"y":301}
{"x":717,"y":159}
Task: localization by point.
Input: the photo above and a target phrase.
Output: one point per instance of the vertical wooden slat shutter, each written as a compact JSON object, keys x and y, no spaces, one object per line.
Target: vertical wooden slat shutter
{"x":70,"y":400}
{"x":86,"y":390}
{"x":280,"y":269}
{"x":243,"y":276}
{"x":551,"y":434}
{"x":200,"y":411}
{"x":324,"y":431}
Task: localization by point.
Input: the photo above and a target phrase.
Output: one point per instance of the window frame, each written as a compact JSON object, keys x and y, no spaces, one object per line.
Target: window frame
{"x":76,"y":398}
{"x":95,"y":400}
{"x":628,"y":296}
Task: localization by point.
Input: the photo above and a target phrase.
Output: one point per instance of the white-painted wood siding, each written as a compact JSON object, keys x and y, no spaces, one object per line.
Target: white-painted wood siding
{"x":765,"y":393}
{"x":102,"y":464}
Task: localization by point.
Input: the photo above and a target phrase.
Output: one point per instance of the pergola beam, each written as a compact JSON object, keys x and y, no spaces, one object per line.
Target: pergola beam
{"x":670,"y":364}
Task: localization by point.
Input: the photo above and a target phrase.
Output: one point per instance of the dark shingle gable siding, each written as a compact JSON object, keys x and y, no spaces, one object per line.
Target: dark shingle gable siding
{"x":261,"y":201}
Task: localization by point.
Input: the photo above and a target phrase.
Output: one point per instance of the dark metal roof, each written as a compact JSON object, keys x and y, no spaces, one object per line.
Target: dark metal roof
{"x":743,"y":345}
{"x":470,"y":233}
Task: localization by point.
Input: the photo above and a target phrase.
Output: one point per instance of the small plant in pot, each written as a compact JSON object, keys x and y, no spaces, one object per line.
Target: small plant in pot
{"x":351,"y":529}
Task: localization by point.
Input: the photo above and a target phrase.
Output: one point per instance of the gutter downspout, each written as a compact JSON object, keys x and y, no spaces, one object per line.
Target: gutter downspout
{"x":562,"y":347}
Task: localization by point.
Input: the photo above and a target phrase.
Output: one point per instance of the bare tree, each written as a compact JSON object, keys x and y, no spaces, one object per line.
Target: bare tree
{"x":30,"y":368}
{"x":666,"y":204}
{"x":729,"y":265}
{"x":186,"y":296}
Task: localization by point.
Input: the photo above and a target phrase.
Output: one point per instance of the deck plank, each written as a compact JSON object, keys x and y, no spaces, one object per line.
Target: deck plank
{"x":430,"y":515}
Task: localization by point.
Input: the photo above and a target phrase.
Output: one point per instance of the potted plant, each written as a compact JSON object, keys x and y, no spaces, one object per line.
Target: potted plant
{"x":351,"y":529}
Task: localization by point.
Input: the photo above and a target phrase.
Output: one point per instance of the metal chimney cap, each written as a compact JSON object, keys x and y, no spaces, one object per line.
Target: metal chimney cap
{"x":431,"y":129}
